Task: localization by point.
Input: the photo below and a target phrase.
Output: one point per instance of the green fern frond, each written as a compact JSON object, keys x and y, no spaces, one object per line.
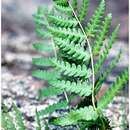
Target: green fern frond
{"x":66,"y":32}
{"x":61,"y":2}
{"x":7,"y":122}
{"x":63,"y":9}
{"x":80,"y":88}
{"x":102,"y":35}
{"x":52,"y":108}
{"x":104,"y":54}
{"x":71,"y":69}
{"x":106,"y":72}
{"x":39,"y":127}
{"x":46,"y":75}
{"x":74,"y":51}
{"x":42,"y":47}
{"x":94,"y":24}
{"x":83,"y":10}
{"x":74,"y":4}
{"x":42,"y":62}
{"x":18,"y":118}
{"x":121,"y":80}
{"x":49,"y":91}
{"x":60,"y":21}
{"x":72,"y":118}
{"x":42,"y":33}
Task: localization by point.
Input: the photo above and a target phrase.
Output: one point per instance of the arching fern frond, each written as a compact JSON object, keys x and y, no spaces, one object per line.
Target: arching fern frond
{"x":80,"y":88}
{"x":104,"y":54}
{"x":83,"y":10}
{"x":102,"y":35}
{"x":52,"y":108}
{"x":71,"y":69}
{"x":94,"y":23}
{"x":72,"y":118}
{"x":121,"y":80}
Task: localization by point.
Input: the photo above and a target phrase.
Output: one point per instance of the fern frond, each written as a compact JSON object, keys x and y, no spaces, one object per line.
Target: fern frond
{"x":52,"y":108}
{"x":39,"y":127}
{"x":104,"y":54}
{"x":50,"y":91}
{"x":121,"y":80}
{"x":106,"y":72}
{"x":83,"y":10}
{"x":60,"y":21}
{"x":42,"y":33}
{"x":71,"y":69}
{"x":102,"y":35}
{"x":74,"y":4}
{"x":18,"y":118}
{"x":63,"y":9}
{"x":80,"y":88}
{"x":61,"y":2}
{"x":46,"y":75}
{"x":42,"y":62}
{"x":94,"y":24}
{"x":74,"y":51}
{"x":72,"y":118}
{"x":7,"y":122}
{"x":66,"y":32}
{"x":42,"y":47}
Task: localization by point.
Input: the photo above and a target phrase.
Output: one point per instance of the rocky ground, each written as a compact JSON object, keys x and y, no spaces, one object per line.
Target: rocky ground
{"x":17,"y":84}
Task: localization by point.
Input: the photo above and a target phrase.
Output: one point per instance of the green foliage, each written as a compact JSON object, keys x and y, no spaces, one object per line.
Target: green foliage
{"x":69,"y":72}
{"x":102,"y":35}
{"x":73,"y":117}
{"x":80,"y":88}
{"x":121,"y":80}
{"x":39,"y":127}
{"x":95,"y":21}
{"x":52,"y":108}
{"x":18,"y":118}
{"x":84,"y":9}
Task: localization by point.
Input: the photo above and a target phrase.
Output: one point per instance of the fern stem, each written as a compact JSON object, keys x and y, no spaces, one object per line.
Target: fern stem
{"x":91,"y":55}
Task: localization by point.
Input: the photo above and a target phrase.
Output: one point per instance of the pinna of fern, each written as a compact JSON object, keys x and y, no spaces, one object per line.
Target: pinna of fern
{"x":72,"y":67}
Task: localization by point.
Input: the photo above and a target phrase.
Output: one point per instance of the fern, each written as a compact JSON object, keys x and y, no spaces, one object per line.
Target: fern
{"x":45,"y":74}
{"x":102,"y":34}
{"x":84,"y":9}
{"x":104,"y":75}
{"x":18,"y":117}
{"x":94,"y":24}
{"x":72,"y":118}
{"x":114,"y":88}
{"x":71,"y":71}
{"x":50,"y":91}
{"x":73,"y":51}
{"x":74,"y":4}
{"x":104,"y":54}
{"x":42,"y":47}
{"x":79,"y":88}
{"x":52,"y":108}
